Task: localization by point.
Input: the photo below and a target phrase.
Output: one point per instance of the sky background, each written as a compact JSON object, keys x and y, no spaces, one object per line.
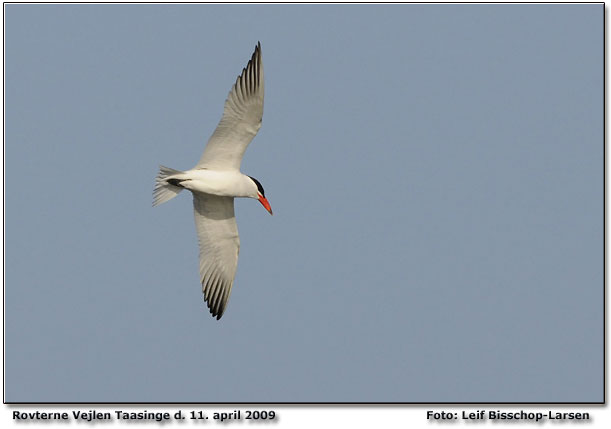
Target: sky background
{"x":436,"y":176}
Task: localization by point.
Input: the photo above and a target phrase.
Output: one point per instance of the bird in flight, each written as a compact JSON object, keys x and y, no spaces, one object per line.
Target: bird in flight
{"x":216,"y":180}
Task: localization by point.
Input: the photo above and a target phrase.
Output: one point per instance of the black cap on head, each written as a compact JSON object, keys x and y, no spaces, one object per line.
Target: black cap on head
{"x":259,"y":186}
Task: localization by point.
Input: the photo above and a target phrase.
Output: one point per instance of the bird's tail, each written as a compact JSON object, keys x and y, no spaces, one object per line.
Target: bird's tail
{"x":165,"y":191}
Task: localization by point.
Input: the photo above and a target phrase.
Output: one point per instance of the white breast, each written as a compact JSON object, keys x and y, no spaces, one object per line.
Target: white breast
{"x":224,"y":183}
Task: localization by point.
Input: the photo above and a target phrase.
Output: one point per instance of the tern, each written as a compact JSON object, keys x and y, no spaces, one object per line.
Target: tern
{"x":216,"y":180}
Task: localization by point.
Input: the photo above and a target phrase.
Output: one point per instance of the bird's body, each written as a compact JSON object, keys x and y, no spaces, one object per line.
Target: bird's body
{"x":223,"y":183}
{"x":216,"y":180}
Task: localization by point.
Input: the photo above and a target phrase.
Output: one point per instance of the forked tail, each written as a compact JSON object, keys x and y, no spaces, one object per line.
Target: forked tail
{"x":163,"y":190}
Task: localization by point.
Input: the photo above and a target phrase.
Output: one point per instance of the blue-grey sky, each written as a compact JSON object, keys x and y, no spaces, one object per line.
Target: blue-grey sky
{"x":436,"y":175}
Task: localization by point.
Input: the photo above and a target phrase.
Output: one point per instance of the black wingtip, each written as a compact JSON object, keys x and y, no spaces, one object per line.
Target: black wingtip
{"x":215,"y":307}
{"x":217,"y":313}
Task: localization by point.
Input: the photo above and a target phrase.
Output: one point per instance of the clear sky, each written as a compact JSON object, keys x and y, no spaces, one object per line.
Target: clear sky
{"x":436,"y":175}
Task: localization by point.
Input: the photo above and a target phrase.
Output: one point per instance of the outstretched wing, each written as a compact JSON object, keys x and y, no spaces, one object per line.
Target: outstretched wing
{"x":241,"y":119}
{"x":219,"y":245}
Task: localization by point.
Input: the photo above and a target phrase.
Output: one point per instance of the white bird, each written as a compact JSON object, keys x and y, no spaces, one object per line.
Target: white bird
{"x":216,"y":180}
